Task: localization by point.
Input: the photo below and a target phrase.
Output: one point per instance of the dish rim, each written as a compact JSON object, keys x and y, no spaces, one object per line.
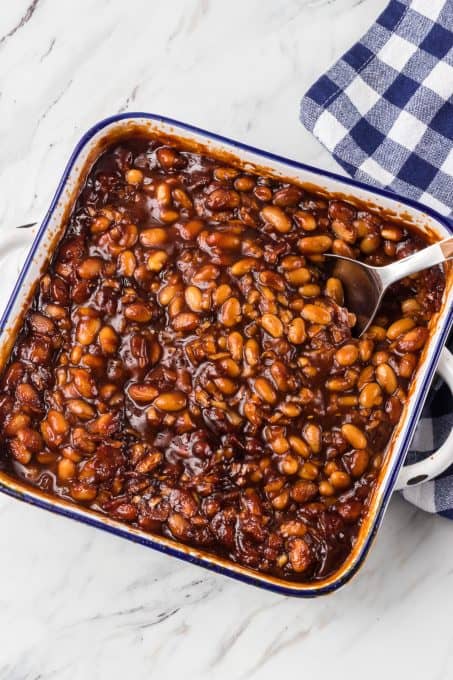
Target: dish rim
{"x":18,"y":489}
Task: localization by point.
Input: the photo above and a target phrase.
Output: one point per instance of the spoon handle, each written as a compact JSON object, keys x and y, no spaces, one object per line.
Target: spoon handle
{"x":428,"y":257}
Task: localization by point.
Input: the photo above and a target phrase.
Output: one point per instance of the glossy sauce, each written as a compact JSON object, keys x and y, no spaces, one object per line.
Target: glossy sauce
{"x":188,"y":367}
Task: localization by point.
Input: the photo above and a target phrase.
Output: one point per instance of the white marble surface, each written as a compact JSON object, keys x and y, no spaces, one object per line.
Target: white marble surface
{"x":78,"y":604}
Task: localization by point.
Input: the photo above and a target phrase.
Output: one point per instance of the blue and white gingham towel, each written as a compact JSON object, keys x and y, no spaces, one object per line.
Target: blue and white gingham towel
{"x":385,"y":112}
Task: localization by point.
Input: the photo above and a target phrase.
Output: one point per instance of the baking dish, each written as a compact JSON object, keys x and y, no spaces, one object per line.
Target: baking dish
{"x":193,"y":139}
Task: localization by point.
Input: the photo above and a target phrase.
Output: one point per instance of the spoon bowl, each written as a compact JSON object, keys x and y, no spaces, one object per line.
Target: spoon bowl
{"x":364,"y":285}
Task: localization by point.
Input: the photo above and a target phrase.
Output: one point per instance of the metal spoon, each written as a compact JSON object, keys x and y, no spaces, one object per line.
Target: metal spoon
{"x":364,"y":286}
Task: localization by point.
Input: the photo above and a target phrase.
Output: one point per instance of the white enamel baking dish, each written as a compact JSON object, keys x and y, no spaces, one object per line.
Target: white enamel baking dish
{"x":425,"y":219}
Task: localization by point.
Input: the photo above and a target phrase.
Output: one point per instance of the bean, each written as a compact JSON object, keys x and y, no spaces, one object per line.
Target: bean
{"x":293,"y":528}
{"x":152,"y":238}
{"x":87,"y":330}
{"x":275,"y":216}
{"x":386,"y":377}
{"x":220,"y":199}
{"x":80,"y":408}
{"x":299,"y":446}
{"x":209,"y":272}
{"x":182,"y":198}
{"x":310,"y":290}
{"x":263,"y":193}
{"x":252,"y":352}
{"x":230,"y":367}
{"x":272,"y":325}
{"x":357,"y":462}
{"x":226,"y":385}
{"x":66,"y":469}
{"x":309,"y":471}
{"x":316,"y":314}
{"x":157,"y":260}
{"x":288,"y":465}
{"x":410,"y":306}
{"x":345,"y":232}
{"x":340,"y":480}
{"x":90,"y":268}
{"x":99,"y":225}
{"x":194,"y":298}
{"x":126,"y":263}
{"x":380,"y":357}
{"x":326,"y":488}
{"x":399,"y":327}
{"x":281,"y":501}
{"x":347,"y":355}
{"x":370,"y":244}
{"x":167,"y":293}
{"x":299,"y":276}
{"x":339,"y":247}
{"x":303,"y":491}
{"x":244,"y":184}
{"x":20,"y":451}
{"x":230,"y":313}
{"x":190,"y":230}
{"x":83,"y":492}
{"x":392,"y":233}
{"x":223,"y":240}
{"x":241,"y":267}
{"x":279,"y":444}
{"x":376,"y":333}
{"x":134,"y":176}
{"x":41,"y":324}
{"x":413,"y":340}
{"x":265,"y":390}
{"x":312,"y":435}
{"x":334,"y":290}
{"x":138,"y":312}
{"x":235,"y":345}
{"x":305,"y":220}
{"x":225,"y":174}
{"x":185,"y":321}
{"x":142,"y":393}
{"x":163,"y":195}
{"x":366,"y":347}
{"x":354,"y":436}
{"x":296,"y":331}
{"x":287,"y":197}
{"x":108,"y":340}
{"x":170,"y":401}
{"x":221,"y":294}
{"x":28,"y":396}
{"x":407,"y":365}
{"x":57,"y":422}
{"x":280,"y":375}
{"x":393,"y":409}
{"x":370,"y":395}
{"x":149,"y":463}
{"x":366,"y":375}
{"x":314,"y":245}
{"x":290,"y":410}
{"x":299,"y":555}
{"x":17,"y":422}
{"x":272,"y":280}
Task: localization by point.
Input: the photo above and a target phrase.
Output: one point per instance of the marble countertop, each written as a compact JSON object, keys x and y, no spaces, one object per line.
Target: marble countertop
{"x":76,"y":603}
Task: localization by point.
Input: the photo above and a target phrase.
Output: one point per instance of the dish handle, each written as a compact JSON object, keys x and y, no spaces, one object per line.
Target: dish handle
{"x":440,"y":460}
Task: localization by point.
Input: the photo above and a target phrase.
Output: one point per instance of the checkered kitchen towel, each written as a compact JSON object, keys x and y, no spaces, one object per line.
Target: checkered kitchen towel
{"x":385,"y":112}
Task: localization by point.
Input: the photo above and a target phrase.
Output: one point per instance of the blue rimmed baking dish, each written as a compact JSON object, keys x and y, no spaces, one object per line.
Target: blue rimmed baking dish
{"x":52,"y":228}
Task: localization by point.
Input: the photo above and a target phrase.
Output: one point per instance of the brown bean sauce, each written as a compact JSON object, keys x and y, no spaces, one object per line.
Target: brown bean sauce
{"x":188,"y":366}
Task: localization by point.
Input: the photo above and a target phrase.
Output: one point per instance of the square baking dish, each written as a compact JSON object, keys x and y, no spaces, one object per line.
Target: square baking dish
{"x":193,"y":139}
